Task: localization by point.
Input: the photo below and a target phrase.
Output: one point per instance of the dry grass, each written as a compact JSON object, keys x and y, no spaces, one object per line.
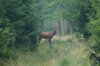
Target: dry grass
{"x":62,"y":38}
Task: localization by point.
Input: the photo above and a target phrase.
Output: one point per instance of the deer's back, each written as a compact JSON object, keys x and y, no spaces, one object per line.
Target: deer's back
{"x":46,"y":35}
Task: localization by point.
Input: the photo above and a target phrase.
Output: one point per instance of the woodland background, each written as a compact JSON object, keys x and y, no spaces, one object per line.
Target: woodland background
{"x":22,"y":20}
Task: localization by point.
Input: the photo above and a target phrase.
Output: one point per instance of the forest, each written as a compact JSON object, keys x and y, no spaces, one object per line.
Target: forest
{"x":49,"y":32}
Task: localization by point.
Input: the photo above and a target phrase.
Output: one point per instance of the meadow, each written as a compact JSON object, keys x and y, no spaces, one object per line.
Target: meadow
{"x":65,"y":52}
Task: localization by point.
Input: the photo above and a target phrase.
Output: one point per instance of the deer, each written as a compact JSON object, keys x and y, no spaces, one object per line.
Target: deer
{"x":47,"y":35}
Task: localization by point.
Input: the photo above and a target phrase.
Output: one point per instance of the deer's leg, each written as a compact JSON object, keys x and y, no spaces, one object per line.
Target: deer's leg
{"x":49,"y":40}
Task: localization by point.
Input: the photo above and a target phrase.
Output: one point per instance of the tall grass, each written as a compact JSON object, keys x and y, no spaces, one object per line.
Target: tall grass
{"x":63,"y":53}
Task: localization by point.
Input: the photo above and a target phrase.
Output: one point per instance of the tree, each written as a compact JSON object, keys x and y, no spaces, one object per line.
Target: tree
{"x":18,"y":25}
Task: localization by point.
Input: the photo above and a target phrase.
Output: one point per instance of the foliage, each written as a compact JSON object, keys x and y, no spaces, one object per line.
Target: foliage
{"x":6,"y":37}
{"x":79,"y":13}
{"x":94,"y":27}
{"x":18,"y":25}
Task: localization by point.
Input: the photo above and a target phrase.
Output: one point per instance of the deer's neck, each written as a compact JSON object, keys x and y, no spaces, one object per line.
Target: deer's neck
{"x":54,"y":33}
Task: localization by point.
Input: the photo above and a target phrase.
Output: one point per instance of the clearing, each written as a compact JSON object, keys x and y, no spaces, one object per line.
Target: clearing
{"x":63,"y":53}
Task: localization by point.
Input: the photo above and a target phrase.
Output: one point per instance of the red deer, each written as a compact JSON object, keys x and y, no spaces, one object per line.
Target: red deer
{"x":47,"y":35}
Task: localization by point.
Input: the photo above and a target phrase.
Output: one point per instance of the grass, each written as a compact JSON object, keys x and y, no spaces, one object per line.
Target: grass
{"x":63,"y":53}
